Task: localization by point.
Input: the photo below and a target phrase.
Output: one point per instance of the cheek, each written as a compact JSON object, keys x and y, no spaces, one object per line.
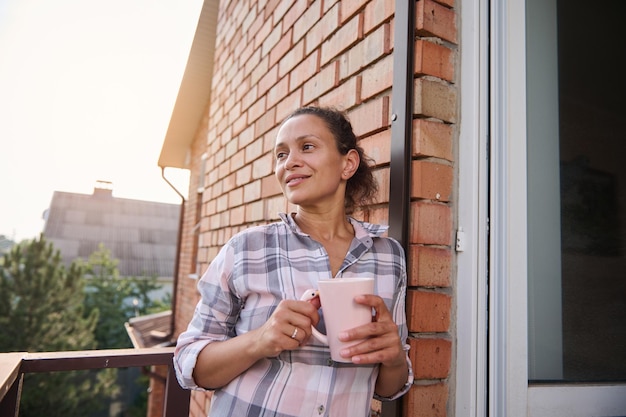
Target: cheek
{"x":278,"y":172}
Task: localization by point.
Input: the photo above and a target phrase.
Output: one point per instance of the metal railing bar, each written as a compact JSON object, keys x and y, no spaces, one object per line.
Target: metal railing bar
{"x":95,"y":359}
{"x":9,"y":371}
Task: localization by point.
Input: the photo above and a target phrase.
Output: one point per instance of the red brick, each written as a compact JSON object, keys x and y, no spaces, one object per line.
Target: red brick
{"x":281,"y":48}
{"x":304,"y":71}
{"x":278,"y":92}
{"x":382,"y":178}
{"x":280,"y":11}
{"x":291,"y":59}
{"x":308,"y":19}
{"x":260,"y":71}
{"x":428,"y":312}
{"x":327,"y":26}
{"x":431,"y":223}
{"x":368,"y":50}
{"x":377,"y":12}
{"x":430,"y":357}
{"x":268,"y":80}
{"x":431,"y":138}
{"x":435,"y":99}
{"x":239,"y":123}
{"x":269,"y":8}
{"x":343,"y":96}
{"x":237,"y":215}
{"x":262,"y":167}
{"x":252,"y":191}
{"x":263,"y":33}
{"x":431,"y":180}
{"x":294,"y":13}
{"x":433,"y":59}
{"x":378,"y":215}
{"x":429,"y":266}
{"x":275,"y":205}
{"x":243,"y":175}
{"x":254,"y":211}
{"x":370,"y":117}
{"x":378,"y":147}
{"x":270,"y":187}
{"x":345,"y":37}
{"x":377,"y":78}
{"x":235,"y":197}
{"x":253,"y":151}
{"x":322,"y":82}
{"x":348,"y":9}
{"x":433,"y":19}
{"x":254,"y":112}
{"x":288,"y":104}
{"x":427,"y":400}
{"x":265,"y":122}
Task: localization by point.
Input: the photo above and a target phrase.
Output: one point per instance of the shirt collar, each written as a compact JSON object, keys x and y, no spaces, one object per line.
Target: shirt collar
{"x":362,"y":230}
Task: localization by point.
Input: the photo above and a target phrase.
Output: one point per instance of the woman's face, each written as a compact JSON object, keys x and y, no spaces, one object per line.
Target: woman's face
{"x":309,"y":167}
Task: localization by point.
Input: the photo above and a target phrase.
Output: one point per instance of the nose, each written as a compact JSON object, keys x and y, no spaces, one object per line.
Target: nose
{"x":292,"y":160}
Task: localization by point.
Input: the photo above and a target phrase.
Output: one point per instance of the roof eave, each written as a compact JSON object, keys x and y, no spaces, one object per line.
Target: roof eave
{"x":194,"y":93}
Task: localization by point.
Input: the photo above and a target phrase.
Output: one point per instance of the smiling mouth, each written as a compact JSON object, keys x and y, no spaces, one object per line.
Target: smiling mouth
{"x":295,"y":180}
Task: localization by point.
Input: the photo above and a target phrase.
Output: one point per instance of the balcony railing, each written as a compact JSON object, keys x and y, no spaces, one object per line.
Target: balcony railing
{"x":13,"y":366}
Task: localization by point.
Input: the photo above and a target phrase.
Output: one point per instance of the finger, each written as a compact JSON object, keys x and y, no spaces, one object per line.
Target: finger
{"x":374,"y":350}
{"x":371,"y":330}
{"x":378,"y":304}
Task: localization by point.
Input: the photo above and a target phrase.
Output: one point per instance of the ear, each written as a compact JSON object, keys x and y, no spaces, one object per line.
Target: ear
{"x":351,"y":164}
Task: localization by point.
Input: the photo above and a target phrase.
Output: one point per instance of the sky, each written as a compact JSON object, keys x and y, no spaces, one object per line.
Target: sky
{"x":87,"y":89}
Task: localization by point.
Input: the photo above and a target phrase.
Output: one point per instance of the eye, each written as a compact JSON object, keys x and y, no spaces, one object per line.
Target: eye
{"x":307,"y":147}
{"x":281,"y":155}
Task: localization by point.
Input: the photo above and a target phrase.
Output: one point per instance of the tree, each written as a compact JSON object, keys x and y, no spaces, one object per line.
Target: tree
{"x":116,"y":298}
{"x":42,"y":309}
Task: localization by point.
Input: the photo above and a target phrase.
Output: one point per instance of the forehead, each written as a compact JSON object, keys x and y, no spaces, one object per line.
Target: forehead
{"x":303,"y":125}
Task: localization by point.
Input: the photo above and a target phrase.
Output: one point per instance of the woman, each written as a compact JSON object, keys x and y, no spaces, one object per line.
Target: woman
{"x":249,"y":339}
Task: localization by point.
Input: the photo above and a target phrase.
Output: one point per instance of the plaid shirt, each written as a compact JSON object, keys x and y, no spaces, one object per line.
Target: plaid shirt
{"x":243,"y":285}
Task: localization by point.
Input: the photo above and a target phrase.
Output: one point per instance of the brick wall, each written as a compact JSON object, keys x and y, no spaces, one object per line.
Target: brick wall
{"x":273,"y":56}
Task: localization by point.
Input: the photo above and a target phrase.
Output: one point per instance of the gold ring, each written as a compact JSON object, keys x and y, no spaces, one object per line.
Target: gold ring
{"x":295,"y":333}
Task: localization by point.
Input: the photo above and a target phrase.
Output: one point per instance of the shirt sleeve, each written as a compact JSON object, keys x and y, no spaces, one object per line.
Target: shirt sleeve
{"x":213,"y":320}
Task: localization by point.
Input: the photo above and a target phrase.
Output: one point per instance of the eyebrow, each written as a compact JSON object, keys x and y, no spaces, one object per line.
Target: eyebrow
{"x":299,"y":139}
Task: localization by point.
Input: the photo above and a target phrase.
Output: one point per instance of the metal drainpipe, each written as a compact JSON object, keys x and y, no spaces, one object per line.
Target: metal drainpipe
{"x":179,"y":240}
{"x":401,"y":138}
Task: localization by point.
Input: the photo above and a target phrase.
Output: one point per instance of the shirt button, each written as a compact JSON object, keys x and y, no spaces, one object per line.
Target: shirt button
{"x":320,"y":410}
{"x":330,"y":362}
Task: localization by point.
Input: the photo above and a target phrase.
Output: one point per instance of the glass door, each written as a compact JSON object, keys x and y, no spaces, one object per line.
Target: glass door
{"x":557,"y":209}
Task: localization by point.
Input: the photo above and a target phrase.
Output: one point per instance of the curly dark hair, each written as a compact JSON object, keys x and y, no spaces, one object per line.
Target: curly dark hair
{"x":361,"y":188}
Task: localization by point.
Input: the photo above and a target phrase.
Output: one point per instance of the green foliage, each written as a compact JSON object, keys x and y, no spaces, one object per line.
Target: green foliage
{"x":41,"y":302}
{"x":116,"y":298}
{"x":42,"y":309}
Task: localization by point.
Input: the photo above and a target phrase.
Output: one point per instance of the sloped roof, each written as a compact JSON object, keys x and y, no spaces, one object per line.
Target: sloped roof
{"x":194,"y":92}
{"x":142,"y":235}
{"x":152,"y":330}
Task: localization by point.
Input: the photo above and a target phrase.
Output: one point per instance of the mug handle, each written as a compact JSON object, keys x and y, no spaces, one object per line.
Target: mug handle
{"x":308,"y":295}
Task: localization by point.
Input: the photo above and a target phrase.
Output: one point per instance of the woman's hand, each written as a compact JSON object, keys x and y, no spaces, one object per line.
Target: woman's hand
{"x":287,"y":328}
{"x":219,"y":362}
{"x":382,"y":344}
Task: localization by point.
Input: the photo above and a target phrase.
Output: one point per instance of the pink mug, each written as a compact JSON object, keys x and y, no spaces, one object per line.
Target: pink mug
{"x":341,"y":312}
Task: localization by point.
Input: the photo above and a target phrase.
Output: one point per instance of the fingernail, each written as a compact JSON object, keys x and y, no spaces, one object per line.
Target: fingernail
{"x":345,"y":353}
{"x":343,"y":336}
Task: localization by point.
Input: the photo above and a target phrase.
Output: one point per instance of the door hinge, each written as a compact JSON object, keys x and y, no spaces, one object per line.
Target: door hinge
{"x":460,"y":240}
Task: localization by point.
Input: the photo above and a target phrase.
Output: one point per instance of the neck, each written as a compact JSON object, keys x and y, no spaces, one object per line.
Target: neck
{"x":325,"y":226}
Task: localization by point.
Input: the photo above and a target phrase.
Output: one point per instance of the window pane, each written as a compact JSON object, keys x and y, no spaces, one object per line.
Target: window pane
{"x":577,"y":223}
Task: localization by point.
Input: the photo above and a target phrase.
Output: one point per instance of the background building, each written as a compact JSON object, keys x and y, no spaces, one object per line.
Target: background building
{"x":141,"y":235}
